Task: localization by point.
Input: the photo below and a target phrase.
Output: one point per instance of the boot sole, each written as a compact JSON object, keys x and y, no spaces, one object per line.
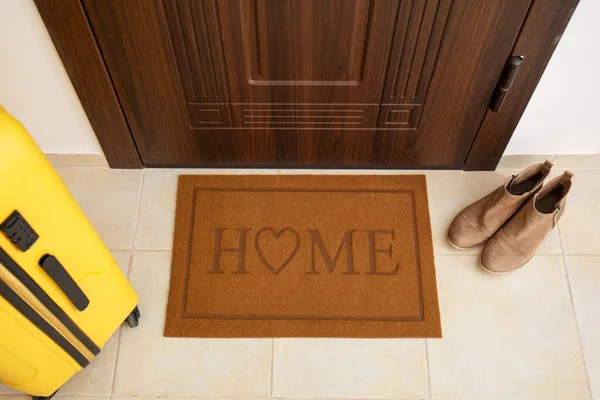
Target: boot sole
{"x":465,"y":248}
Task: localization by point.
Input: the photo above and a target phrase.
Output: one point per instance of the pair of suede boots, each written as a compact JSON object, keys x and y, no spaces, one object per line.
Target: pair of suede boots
{"x":514,"y":219}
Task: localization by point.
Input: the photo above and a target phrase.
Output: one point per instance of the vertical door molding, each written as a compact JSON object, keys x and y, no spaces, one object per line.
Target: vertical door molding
{"x":418,"y":37}
{"x":197,"y":42}
{"x":69,"y":28}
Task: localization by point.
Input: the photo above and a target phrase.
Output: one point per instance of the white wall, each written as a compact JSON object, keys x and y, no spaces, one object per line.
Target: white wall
{"x":563,"y":115}
{"x":34,"y":86}
{"x":561,"y":118}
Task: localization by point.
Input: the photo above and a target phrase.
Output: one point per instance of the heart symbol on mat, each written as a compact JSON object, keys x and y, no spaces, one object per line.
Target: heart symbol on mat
{"x":276,"y":235}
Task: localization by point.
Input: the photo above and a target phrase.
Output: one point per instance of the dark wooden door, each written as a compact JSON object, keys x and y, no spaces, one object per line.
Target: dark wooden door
{"x":322,"y":82}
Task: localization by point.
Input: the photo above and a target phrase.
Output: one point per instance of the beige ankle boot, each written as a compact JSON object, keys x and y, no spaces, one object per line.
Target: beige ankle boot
{"x":515,"y":244}
{"x":474,"y":225}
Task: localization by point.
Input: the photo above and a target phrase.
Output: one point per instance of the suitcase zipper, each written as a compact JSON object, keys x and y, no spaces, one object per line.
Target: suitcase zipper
{"x":16,"y":281}
{"x":32,"y":302}
{"x":22,"y":307}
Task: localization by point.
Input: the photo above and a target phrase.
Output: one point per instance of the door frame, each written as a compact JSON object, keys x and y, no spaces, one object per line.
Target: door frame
{"x":70,"y":30}
{"x":76,"y":44}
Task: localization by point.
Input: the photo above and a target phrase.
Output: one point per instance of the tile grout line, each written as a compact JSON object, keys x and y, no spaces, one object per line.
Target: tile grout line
{"x":129,"y":268}
{"x":428,"y":369}
{"x":129,"y":264}
{"x":580,"y":168}
{"x":518,"y":166}
{"x":208,"y":397}
{"x":139,"y":207}
{"x":146,"y":250}
{"x":460,"y":253}
{"x":202,"y":397}
{"x":272,"y":366}
{"x":587,"y":375}
{"x":562,"y":247}
{"x":114,"y":374}
{"x":582,"y":254}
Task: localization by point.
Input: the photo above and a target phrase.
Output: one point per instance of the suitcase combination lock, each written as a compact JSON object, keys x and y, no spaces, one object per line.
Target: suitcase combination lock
{"x":18,"y":231}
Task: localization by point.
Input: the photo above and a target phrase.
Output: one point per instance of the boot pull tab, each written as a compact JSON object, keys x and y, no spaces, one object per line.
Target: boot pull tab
{"x":568,"y":175}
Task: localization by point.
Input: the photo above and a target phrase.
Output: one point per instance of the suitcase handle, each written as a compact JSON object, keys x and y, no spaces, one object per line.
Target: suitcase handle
{"x":59,"y":274}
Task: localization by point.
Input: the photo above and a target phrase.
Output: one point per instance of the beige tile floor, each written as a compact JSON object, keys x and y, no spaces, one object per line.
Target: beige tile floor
{"x":532,"y":334}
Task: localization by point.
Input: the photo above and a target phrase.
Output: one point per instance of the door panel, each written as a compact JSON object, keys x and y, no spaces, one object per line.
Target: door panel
{"x":306,"y":51}
{"x":288,"y":82}
{"x":274,"y":30}
{"x":273,"y":54}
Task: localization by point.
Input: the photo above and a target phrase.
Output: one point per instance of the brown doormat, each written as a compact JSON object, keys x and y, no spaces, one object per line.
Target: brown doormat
{"x":302,"y":256}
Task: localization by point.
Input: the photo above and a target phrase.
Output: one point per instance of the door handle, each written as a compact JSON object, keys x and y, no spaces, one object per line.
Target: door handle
{"x":505,"y":83}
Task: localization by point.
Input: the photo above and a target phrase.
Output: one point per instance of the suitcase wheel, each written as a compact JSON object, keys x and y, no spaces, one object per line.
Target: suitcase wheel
{"x":43,"y":397}
{"x":133,"y":320}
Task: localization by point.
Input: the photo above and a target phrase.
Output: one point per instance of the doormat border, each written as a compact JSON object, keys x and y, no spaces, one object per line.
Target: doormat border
{"x":184,"y":315}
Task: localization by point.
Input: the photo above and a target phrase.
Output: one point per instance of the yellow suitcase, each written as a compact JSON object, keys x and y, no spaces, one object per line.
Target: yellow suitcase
{"x":62,"y":295}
